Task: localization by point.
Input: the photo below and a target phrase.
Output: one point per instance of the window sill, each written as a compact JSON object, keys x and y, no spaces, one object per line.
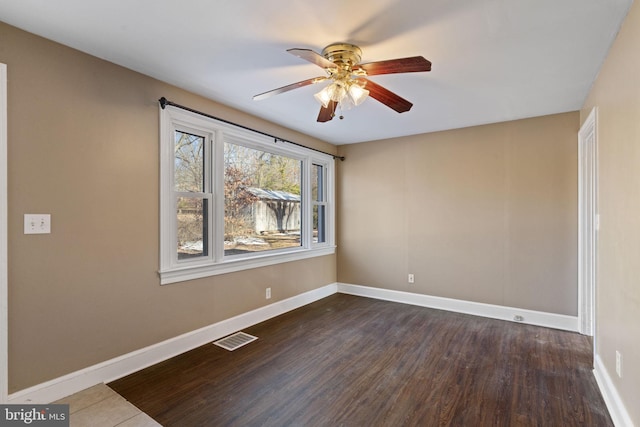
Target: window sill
{"x":181,"y":274}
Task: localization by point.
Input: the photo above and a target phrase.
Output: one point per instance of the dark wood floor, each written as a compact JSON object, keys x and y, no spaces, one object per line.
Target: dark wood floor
{"x":352,"y":361}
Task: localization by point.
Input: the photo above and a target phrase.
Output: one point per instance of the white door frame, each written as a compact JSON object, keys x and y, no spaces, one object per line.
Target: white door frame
{"x":588,"y":223}
{"x":4,"y":288}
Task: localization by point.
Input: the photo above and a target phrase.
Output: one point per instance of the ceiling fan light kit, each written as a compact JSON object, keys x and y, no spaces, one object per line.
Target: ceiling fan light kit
{"x":347,"y":94}
{"x":349,"y":85}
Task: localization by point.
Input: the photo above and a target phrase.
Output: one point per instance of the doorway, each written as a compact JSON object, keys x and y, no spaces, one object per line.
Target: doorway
{"x":588,"y":223}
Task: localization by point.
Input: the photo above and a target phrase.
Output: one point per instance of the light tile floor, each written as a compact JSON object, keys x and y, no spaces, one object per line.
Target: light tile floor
{"x":100,"y":406}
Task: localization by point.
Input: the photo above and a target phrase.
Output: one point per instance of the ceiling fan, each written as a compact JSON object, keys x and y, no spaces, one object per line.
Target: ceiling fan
{"x":349,"y":83}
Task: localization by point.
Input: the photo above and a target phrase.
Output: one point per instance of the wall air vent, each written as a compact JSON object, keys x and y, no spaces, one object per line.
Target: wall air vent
{"x":235,"y":341}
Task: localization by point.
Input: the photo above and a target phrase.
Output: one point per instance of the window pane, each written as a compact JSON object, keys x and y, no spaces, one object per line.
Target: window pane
{"x":319,"y":234}
{"x":262,"y":200}
{"x":317,"y":190}
{"x":317,"y":195}
{"x":192,"y":227}
{"x":189,"y":162}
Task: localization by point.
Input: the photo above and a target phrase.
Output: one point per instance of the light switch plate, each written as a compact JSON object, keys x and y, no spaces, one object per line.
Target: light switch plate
{"x":37,"y":223}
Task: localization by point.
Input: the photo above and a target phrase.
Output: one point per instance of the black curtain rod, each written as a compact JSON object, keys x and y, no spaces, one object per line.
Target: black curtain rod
{"x":164,"y":102}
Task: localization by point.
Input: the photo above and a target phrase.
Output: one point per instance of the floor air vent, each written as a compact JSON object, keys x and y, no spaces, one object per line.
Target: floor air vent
{"x":235,"y":341}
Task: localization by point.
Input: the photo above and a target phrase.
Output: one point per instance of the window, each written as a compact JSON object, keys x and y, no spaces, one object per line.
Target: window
{"x":233,"y":199}
{"x":193,"y":194}
{"x":261,"y":200}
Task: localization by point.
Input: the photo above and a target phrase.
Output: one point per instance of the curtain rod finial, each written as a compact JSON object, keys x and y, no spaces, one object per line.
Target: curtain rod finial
{"x":163,"y":102}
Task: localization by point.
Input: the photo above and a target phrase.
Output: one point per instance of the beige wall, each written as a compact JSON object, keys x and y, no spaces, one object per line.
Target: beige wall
{"x":485,"y":214}
{"x":83,"y":146}
{"x":616,"y":94}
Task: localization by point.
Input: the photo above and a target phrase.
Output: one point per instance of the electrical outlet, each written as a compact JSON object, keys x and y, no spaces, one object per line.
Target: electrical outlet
{"x":411,"y":278}
{"x":618,"y":364}
{"x":268,"y":293}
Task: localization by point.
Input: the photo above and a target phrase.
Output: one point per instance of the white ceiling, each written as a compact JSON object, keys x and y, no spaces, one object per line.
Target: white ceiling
{"x":493,"y":60}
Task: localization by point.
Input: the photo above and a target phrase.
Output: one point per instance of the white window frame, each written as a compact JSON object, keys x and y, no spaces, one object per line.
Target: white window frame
{"x":325,"y":198}
{"x":216,"y":133}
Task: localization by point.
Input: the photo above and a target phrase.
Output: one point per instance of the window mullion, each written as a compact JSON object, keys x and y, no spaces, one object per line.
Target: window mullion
{"x":217,"y":177}
{"x":306,"y":228}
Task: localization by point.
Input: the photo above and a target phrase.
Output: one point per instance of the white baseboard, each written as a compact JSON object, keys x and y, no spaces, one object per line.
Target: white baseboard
{"x":617,"y":410}
{"x":128,"y":363}
{"x":549,"y":320}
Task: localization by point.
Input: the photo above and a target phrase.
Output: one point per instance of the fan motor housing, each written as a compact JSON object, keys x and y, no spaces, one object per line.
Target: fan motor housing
{"x":343,"y":54}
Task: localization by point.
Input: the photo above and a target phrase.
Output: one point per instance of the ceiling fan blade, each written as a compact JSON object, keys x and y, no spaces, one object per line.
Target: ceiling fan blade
{"x":313,"y":57}
{"x":287,"y":88}
{"x":327,"y":114}
{"x":387,"y":97}
{"x":413,"y":64}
